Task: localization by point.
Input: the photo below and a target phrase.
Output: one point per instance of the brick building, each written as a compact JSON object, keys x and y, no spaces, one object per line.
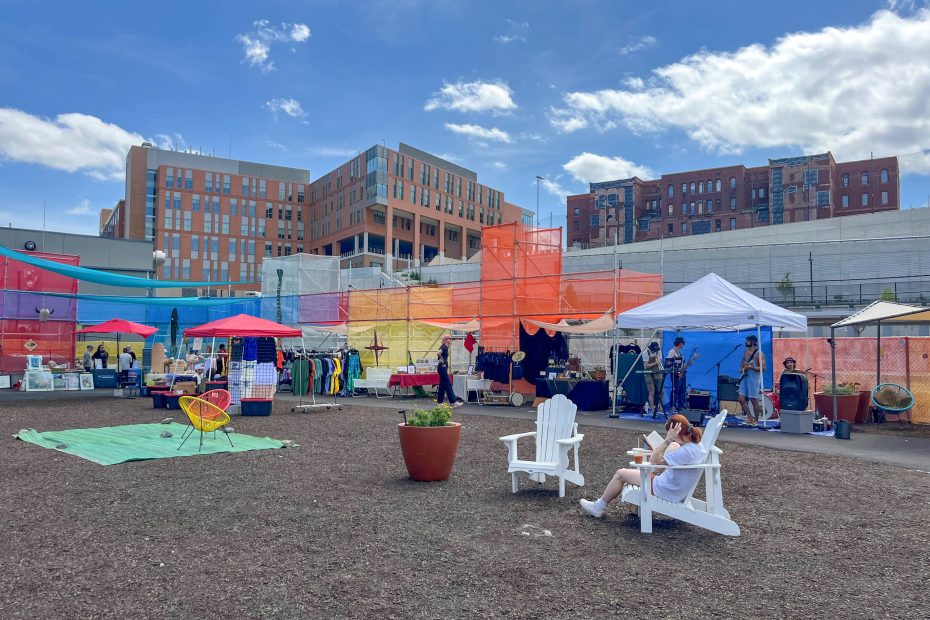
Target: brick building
{"x":214,"y":218}
{"x":400,"y":208}
{"x":794,"y":189}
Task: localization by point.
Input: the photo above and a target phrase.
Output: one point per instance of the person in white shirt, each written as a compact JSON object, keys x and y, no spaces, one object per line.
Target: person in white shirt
{"x":682,"y":446}
{"x":652,"y":364}
{"x":125,"y":359}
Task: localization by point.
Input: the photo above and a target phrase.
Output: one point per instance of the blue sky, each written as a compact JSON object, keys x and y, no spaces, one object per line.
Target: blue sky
{"x":573,"y":91}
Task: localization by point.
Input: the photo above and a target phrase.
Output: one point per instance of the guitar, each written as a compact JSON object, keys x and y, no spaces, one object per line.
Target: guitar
{"x":744,"y":367}
{"x":681,"y":372}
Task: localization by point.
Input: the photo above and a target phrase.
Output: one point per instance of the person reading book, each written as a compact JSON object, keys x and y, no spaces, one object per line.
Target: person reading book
{"x":681,"y":446}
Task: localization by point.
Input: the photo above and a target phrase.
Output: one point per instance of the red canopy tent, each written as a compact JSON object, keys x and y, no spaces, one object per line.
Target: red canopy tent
{"x":242,"y":325}
{"x":119,"y":326}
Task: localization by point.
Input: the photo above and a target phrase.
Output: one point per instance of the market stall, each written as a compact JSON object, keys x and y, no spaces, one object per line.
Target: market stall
{"x":104,"y":377}
{"x":253,"y":374}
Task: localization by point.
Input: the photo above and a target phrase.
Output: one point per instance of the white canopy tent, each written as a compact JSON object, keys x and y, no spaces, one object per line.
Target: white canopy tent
{"x":709,"y":304}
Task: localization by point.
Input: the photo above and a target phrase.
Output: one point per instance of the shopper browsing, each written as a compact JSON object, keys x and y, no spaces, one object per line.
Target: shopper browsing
{"x":445,"y":385}
{"x":682,"y":446}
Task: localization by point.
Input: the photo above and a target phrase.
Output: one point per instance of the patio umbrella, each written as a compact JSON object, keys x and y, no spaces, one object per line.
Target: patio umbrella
{"x":119,"y":326}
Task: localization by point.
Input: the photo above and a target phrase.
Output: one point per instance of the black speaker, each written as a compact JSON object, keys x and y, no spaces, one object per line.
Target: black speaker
{"x":699,"y":400}
{"x":793,"y":391}
{"x":727,"y":388}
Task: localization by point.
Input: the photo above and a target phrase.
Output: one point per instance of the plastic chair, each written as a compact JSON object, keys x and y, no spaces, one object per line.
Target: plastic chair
{"x":204,"y":417}
{"x":219,"y":398}
{"x":891,"y":398}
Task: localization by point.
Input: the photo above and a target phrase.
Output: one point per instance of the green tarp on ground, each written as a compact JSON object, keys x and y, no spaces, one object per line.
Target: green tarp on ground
{"x":139,"y":442}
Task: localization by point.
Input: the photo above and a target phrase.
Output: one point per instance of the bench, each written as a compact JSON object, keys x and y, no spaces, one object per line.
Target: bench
{"x":375,"y":379}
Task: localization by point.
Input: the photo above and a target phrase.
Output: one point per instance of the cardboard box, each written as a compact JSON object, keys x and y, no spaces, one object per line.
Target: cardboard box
{"x":188,"y":387}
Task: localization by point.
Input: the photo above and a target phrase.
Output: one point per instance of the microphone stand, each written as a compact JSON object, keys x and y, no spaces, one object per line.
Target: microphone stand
{"x":717,"y":366}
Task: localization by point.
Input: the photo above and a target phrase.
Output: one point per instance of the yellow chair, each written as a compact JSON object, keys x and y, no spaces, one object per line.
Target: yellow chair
{"x":204,"y":416}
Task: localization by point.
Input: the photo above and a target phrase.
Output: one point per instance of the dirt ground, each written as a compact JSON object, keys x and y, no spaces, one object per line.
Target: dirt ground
{"x":335,"y":529}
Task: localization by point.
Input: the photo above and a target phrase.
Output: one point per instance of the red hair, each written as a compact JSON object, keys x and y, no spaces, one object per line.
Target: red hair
{"x":687,"y":429}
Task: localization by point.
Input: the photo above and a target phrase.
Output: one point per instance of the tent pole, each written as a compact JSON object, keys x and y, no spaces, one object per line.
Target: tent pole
{"x":615,"y":349}
{"x":833,"y":369}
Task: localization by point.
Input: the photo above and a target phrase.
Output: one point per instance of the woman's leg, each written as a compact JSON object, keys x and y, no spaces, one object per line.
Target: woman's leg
{"x":621,"y":477}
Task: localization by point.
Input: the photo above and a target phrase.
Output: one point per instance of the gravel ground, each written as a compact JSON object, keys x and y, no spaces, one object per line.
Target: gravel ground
{"x":335,"y":528}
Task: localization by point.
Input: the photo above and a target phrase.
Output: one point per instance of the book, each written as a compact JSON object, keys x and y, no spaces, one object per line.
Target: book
{"x":653,"y":439}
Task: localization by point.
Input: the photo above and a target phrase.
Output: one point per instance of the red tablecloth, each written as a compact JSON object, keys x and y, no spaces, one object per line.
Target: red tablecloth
{"x":408,"y":380}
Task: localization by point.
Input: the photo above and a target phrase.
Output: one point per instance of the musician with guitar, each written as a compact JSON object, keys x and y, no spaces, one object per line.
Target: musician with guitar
{"x":750,"y":381}
{"x":675,"y":362}
{"x":655,"y":379}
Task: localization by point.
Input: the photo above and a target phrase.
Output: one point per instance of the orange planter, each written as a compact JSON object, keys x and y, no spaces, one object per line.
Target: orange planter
{"x":846,"y":405}
{"x":429,"y":451}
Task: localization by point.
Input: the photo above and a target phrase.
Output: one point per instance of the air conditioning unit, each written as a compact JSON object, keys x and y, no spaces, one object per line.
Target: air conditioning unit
{"x":253,"y":293}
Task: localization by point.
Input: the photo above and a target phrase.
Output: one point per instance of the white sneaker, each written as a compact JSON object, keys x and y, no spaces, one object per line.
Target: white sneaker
{"x":592,"y":508}
{"x":457,"y":403}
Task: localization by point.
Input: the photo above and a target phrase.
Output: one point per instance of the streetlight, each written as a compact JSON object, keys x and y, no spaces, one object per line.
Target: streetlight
{"x":538,"y":179}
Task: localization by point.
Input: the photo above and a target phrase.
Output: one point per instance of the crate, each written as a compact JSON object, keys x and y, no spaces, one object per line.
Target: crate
{"x":255,"y":406}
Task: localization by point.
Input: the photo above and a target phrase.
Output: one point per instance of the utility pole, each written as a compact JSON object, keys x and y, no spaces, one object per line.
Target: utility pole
{"x":810,"y":262}
{"x":538,"y":179}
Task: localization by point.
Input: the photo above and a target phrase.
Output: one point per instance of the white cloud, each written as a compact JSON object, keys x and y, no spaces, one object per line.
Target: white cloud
{"x":173,"y":142}
{"x":70,"y":142}
{"x":499,"y":165}
{"x":554,"y":187}
{"x":81,"y":208}
{"x":473,"y":97}
{"x":289,"y":106}
{"x":591,"y":168}
{"x":805,"y":92}
{"x":639,"y":44}
{"x":515,"y":32}
{"x":504,"y":39}
{"x":257,"y":43}
{"x":480,"y":133}
{"x":567,"y":123}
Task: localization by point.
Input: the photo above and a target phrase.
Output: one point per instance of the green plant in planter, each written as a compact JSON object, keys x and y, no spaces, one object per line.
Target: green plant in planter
{"x":842,"y":389}
{"x":440,"y":415}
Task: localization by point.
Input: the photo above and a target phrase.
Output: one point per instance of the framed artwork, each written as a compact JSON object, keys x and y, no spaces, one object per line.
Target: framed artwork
{"x":58,"y":381}
{"x":72,"y":381}
{"x":38,"y":381}
{"x":86,"y":381}
{"x":33,"y":362}
{"x":5,"y":382}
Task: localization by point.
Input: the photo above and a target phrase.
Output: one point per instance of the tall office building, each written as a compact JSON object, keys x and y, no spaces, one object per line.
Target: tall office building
{"x":214,"y":218}
{"x":792,"y":189}
{"x":400,"y":208}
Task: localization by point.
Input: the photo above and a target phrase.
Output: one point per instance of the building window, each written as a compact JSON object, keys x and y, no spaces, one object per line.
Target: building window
{"x":732,"y":203}
{"x":684,"y":188}
{"x":169,"y":177}
{"x":684,"y":208}
{"x":732,"y":182}
{"x":761,"y":192}
{"x":811,"y":177}
{"x":865,"y":178}
{"x":671,"y":229}
{"x":692,"y":210}
{"x":823,"y":199}
{"x":693,"y":187}
{"x":845,"y":180}
{"x":884,"y":198}
{"x":684,"y":228}
{"x":700,"y":207}
{"x":865,"y":200}
{"x":701,"y":187}
{"x":188,"y":179}
{"x":845,"y":199}
{"x":884,"y":175}
{"x":718,"y":185}
{"x":208,"y":182}
{"x":717,"y":225}
{"x":577,"y":211}
{"x":226,"y":184}
{"x":671,"y":190}
{"x":671,"y":209}
{"x":195,"y":202}
{"x":732,"y":223}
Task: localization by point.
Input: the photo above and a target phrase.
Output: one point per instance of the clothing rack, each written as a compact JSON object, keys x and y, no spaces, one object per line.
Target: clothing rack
{"x":301,"y":406}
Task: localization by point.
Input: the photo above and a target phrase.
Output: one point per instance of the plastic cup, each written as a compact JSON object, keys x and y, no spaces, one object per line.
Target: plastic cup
{"x":638,"y":455}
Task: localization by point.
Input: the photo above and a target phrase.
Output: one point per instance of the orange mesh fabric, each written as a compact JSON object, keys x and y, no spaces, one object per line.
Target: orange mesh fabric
{"x":904,"y":360}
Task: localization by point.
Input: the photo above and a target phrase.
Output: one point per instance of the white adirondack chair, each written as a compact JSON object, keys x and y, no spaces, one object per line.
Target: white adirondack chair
{"x":708,"y":513}
{"x":556,"y":433}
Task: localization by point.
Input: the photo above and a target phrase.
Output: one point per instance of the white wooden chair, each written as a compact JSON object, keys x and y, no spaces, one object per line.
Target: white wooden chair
{"x":375,"y":379}
{"x":708,"y":513}
{"x":556,"y":433}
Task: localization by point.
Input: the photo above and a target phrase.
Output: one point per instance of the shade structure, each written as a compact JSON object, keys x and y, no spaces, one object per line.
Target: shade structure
{"x":600,"y":325}
{"x":886,"y":312}
{"x":707,"y":304}
{"x":242,"y":325}
{"x":119,"y":326}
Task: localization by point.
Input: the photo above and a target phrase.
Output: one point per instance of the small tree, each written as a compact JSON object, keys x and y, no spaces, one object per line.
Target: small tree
{"x":785,"y":286}
{"x":889,"y":295}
